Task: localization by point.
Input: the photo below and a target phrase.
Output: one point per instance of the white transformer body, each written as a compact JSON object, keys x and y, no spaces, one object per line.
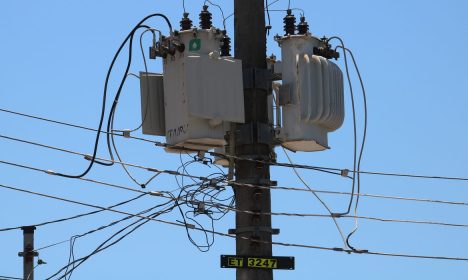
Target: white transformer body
{"x":311,"y":95}
{"x":203,"y":92}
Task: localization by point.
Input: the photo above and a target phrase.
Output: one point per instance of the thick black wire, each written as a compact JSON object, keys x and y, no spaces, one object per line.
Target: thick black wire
{"x":103,"y":109}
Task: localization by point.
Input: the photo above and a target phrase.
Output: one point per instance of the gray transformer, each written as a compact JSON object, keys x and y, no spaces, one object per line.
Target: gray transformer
{"x":202,"y":94}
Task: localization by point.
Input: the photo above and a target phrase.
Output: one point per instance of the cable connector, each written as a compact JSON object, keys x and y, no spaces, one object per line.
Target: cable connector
{"x":126,"y":133}
{"x":51,"y":172}
{"x":344,"y":172}
{"x":358,"y":251}
{"x":155,"y":194}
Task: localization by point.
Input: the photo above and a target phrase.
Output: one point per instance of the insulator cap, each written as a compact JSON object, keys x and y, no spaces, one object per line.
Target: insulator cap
{"x":185,"y":22}
{"x":303,"y":27}
{"x":205,"y":18}
{"x":289,"y":23}
{"x":225,"y":45}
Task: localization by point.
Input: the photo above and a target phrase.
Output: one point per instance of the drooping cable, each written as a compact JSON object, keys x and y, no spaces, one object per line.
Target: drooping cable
{"x":103,"y":109}
{"x":363,"y":137}
{"x":355,"y":145}
{"x":319,"y":199}
{"x":220,"y":9}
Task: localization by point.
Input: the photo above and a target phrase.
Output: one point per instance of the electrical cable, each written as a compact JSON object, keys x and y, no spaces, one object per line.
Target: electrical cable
{"x":266,"y":9}
{"x":220,"y":9}
{"x":9,"y":278}
{"x":75,"y":216}
{"x":377,"y":196}
{"x":103,"y":245}
{"x":299,"y":166}
{"x":363,"y":135}
{"x":99,"y":228}
{"x":319,"y":199}
{"x":51,"y":172}
{"x":144,"y":118}
{"x":335,"y":249}
{"x":110,"y":119}
{"x":268,"y":16}
{"x":103,"y":109}
{"x":365,"y":127}
{"x":354,"y":129}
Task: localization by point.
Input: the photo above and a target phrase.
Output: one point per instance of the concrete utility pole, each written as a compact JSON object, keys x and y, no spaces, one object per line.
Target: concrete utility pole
{"x":28,"y":253}
{"x":253,"y":139}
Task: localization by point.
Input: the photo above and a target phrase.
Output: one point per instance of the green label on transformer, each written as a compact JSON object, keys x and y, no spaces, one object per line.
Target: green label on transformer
{"x":195,"y":45}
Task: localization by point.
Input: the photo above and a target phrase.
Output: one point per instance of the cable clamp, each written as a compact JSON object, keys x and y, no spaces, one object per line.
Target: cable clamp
{"x":344,"y":172}
{"x":126,"y":133}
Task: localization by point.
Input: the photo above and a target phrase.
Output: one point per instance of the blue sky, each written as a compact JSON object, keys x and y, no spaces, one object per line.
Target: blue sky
{"x":412,"y":54}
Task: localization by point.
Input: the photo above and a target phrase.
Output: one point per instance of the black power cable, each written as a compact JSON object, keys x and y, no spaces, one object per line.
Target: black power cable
{"x":103,"y":109}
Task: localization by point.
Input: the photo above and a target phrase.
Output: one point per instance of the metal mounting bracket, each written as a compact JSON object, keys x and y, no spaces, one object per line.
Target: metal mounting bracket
{"x":257,"y":78}
{"x":248,"y":133}
{"x":255,"y":230}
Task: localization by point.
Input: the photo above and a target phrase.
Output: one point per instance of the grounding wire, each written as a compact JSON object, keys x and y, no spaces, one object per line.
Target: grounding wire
{"x":319,"y":199}
{"x":364,"y":132}
{"x":356,"y":205}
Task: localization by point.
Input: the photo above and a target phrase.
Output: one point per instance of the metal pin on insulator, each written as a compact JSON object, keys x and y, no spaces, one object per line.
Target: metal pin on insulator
{"x":205,"y":18}
{"x":185,"y":22}
{"x":303,"y":27}
{"x":289,"y":23}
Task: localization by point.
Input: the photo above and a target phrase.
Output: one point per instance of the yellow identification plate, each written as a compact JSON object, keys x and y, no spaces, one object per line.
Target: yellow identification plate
{"x":254,"y":262}
{"x":262,"y":263}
